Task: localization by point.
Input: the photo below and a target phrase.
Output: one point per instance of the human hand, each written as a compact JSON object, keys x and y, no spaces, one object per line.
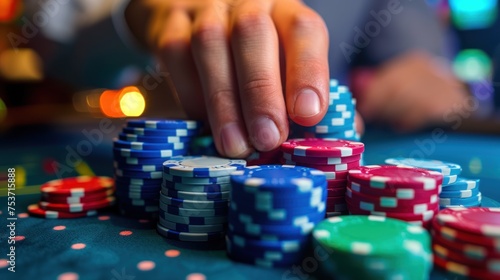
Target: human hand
{"x":409,"y":92}
{"x":247,"y":65}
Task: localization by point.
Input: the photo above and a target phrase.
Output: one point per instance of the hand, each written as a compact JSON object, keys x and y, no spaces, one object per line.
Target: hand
{"x":409,"y":92}
{"x":244,"y":64}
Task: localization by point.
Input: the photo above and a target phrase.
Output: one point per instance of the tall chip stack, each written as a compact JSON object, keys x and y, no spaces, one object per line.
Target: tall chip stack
{"x":456,"y":191}
{"x":194,"y":197}
{"x":273,"y":211}
{"x":372,"y":247}
{"x":400,"y":192}
{"x":466,"y":242}
{"x":338,"y":121}
{"x":139,"y":153}
{"x":332,"y":156}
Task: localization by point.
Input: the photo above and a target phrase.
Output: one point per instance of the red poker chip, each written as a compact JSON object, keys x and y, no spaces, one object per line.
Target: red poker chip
{"x":35,"y":210}
{"x":467,"y":250}
{"x":321,"y":160}
{"x":335,"y":192}
{"x":335,"y":200}
{"x":401,"y":193}
{"x":77,"y":207}
{"x":456,"y":256}
{"x":425,"y":216}
{"x":69,"y":199}
{"x":336,"y":207}
{"x":464,"y":270}
{"x":327,"y":147}
{"x":434,"y":198}
{"x":478,"y":220}
{"x":336,"y":175}
{"x":77,"y":186}
{"x":393,"y":177}
{"x":465,"y":237}
{"x":327,"y":168}
{"x":332,"y":183}
{"x":404,"y":207}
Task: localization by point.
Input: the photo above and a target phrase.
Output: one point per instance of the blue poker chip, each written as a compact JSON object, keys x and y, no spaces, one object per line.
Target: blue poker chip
{"x":193,"y":204}
{"x":274,"y":257}
{"x":278,"y":214}
{"x":278,"y":218}
{"x":283,"y":231}
{"x":200,"y":196}
{"x":139,"y":161}
{"x":462,"y":184}
{"x":189,"y":237}
{"x":201,"y":166}
{"x":139,"y":174}
{"x":446,"y":168}
{"x":468,"y":201}
{"x":324,"y":129}
{"x":196,"y":181}
{"x":279,"y":178}
{"x":138,"y":181}
{"x":164,"y":124}
{"x":336,"y":121}
{"x":148,"y":153}
{"x":342,"y":114}
{"x":159,"y":132}
{"x":350,"y":133}
{"x":154,"y":139}
{"x":138,"y":167}
{"x":192,"y":228}
{"x":251,"y":244}
{"x":459,"y":194}
{"x":138,"y":195}
{"x":208,"y":188}
{"x":193,"y":220}
{"x":184,"y":212}
{"x":334,"y":84}
{"x":148,"y":146}
{"x":265,"y":201}
{"x":349,"y":106}
{"x":450,"y":179}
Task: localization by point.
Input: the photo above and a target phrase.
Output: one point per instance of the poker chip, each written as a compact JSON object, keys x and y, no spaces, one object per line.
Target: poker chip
{"x":482,"y":221}
{"x":467,"y":201}
{"x":139,"y":153}
{"x":192,"y":228}
{"x":321,"y":160}
{"x":164,"y":124}
{"x":465,"y":270}
{"x":459,"y":194}
{"x":273,"y":202}
{"x":373,"y":247}
{"x":188,"y":236}
{"x":159,"y":132}
{"x":462,"y":184}
{"x":196,"y":181}
{"x":193,"y":220}
{"x":328,"y":168}
{"x":35,"y":210}
{"x":201,"y":166}
{"x":386,"y":176}
{"x":185,"y":212}
{"x":449,"y":179}
{"x":417,"y":197}
{"x":153,"y":139}
{"x":77,"y":186}
{"x":148,"y":146}
{"x":459,"y":236}
{"x":193,"y":204}
{"x":399,"y":193}
{"x":207,"y":188}
{"x":70,"y":199}
{"x":200,"y":196}
{"x":444,"y":168}
{"x":77,"y":207}
{"x":322,"y":147}
{"x":264,"y":158}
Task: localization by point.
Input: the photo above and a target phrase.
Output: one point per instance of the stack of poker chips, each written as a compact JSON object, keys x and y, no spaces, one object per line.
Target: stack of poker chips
{"x":466,"y":241}
{"x":139,"y":153}
{"x":273,"y":211}
{"x":338,"y":121}
{"x":264,"y":158}
{"x":332,"y":156}
{"x":400,"y":192}
{"x":74,"y":197}
{"x":456,"y":191}
{"x":194,"y":197}
{"x":372,"y":247}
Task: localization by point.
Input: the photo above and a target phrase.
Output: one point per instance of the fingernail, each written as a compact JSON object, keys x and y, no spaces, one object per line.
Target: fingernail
{"x":233,"y":141}
{"x":307,"y":104}
{"x":265,"y":134}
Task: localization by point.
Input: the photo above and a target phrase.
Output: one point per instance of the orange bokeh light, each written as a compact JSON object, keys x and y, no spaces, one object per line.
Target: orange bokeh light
{"x":9,"y":10}
{"x":124,"y":102}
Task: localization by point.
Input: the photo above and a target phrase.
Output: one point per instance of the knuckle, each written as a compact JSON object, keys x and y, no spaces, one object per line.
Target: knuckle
{"x":221,"y":97}
{"x":262,"y":85}
{"x":308,"y":21}
{"x":207,"y":34}
{"x":251,"y":23}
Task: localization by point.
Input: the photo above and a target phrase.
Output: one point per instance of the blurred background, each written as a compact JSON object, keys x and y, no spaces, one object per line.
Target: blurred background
{"x":42,"y":81}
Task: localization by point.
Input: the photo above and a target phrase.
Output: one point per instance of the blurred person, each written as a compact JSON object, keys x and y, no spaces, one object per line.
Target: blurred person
{"x":249,"y":65}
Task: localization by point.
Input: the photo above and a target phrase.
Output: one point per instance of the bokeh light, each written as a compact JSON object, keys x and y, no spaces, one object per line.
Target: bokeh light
{"x":126,"y":102}
{"x":9,"y":10}
{"x":473,"y":14}
{"x":472,"y":65}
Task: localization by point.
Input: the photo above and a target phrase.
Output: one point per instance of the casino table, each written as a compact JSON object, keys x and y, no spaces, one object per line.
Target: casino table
{"x":110,"y":246}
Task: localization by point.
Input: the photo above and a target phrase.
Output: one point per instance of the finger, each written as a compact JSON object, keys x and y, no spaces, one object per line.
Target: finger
{"x":173,"y":48}
{"x":212,"y":56}
{"x":255,"y":50}
{"x":305,"y":42}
